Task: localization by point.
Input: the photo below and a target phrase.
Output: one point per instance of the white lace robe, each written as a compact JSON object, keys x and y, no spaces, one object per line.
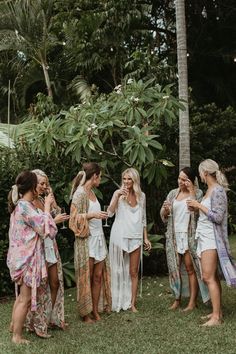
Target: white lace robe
{"x":126,"y":236}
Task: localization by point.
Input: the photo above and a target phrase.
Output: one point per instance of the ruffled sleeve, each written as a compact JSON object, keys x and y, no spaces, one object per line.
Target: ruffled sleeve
{"x":78,"y":214}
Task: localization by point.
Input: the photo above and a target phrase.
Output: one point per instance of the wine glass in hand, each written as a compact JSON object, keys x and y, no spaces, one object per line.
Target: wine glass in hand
{"x":167,"y":207}
{"x":63,"y":227}
{"x":105,"y":209}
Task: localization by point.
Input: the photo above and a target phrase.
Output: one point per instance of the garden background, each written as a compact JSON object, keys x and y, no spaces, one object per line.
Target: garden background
{"x":97,"y":81}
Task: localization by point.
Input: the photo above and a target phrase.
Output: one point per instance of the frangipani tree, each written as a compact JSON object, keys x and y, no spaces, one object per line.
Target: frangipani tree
{"x":119,"y":129}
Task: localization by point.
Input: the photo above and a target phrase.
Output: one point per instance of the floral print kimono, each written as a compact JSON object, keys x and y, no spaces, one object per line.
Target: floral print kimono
{"x":79,"y":225}
{"x":39,"y":320}
{"x":25,"y":258}
{"x":178,"y":277}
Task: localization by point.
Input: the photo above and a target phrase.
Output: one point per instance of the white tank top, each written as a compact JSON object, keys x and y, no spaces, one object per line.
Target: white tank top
{"x":95,"y":225}
{"x":181,"y":215}
{"x":204,"y":225}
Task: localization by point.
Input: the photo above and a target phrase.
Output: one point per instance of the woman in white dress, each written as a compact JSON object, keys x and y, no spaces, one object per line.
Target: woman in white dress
{"x":128,"y":234}
{"x":91,"y":257}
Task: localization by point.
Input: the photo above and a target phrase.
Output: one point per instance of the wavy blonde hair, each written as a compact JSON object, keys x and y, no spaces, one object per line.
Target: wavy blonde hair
{"x":212,"y":167}
{"x":136,"y":181}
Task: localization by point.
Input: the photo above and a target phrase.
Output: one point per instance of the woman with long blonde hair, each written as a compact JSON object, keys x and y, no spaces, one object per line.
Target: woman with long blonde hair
{"x":128,"y":234}
{"x":212,"y":236}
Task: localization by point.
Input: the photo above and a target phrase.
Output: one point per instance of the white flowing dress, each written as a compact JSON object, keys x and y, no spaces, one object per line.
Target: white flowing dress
{"x":126,"y":237}
{"x":96,"y":240}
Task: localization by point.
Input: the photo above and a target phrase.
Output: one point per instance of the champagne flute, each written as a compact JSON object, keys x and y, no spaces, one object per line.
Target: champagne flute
{"x":169,"y":205}
{"x":63,"y":227}
{"x":105,"y":207}
{"x":189,"y":208}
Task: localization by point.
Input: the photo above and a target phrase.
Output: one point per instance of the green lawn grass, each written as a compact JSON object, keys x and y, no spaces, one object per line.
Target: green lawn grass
{"x":153,"y":330}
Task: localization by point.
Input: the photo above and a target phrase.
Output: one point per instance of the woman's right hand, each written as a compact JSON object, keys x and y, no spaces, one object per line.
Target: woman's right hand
{"x":49,"y":199}
{"x":122,"y":191}
{"x":167,"y":207}
{"x":61,"y":217}
{"x":99,"y":215}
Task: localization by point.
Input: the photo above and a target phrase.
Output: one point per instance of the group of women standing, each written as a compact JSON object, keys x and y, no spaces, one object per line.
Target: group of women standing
{"x":196,"y":242}
{"x":34,"y":261}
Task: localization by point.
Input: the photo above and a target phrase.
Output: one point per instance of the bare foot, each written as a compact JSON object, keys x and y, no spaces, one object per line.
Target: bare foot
{"x":87,"y":319}
{"x":43,"y":335}
{"x":175,"y":305}
{"x":133,"y":309}
{"x":96,"y":316}
{"x":212,"y":322}
{"x":19,"y":340}
{"x":206,"y":317}
{"x":189,"y":308}
{"x":11,"y":327}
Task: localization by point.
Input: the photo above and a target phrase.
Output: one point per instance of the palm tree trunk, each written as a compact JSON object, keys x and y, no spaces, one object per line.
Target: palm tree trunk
{"x":47,"y":79}
{"x":184,"y":139}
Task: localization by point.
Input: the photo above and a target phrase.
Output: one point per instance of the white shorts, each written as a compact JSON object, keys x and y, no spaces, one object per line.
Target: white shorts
{"x":97,"y":248}
{"x":204,"y":243}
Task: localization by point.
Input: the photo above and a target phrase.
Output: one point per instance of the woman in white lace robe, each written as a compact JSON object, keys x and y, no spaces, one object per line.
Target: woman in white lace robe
{"x":128,"y":234}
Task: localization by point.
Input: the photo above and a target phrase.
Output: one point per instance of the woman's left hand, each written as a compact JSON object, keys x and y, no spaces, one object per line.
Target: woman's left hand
{"x":192,"y":203}
{"x":147,"y":245}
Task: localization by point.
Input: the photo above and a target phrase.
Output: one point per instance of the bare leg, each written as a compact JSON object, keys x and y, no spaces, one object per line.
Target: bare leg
{"x":193,"y":283}
{"x":53,"y":282}
{"x":210,"y":314}
{"x":96,"y":288}
{"x":209,"y":260}
{"x":13,"y":311}
{"x":19,"y":315}
{"x":134,"y":267}
{"x":175,"y":305}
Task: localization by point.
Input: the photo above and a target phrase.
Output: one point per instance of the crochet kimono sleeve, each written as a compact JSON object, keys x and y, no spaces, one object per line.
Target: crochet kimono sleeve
{"x":218,"y":206}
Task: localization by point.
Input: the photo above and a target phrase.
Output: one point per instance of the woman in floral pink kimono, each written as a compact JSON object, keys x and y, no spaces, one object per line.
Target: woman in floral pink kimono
{"x":26,"y":260}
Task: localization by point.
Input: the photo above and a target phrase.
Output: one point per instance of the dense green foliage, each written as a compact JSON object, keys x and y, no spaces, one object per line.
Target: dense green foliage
{"x":78,"y":47}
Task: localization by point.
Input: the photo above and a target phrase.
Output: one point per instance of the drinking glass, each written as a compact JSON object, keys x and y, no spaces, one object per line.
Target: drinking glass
{"x":105,"y":209}
{"x":167,"y":201}
{"x":63,"y":227}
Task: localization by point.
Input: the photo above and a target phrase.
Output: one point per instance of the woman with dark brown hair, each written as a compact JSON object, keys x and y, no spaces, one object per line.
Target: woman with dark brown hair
{"x":25,"y":259}
{"x":183,"y":265}
{"x":91,"y":257}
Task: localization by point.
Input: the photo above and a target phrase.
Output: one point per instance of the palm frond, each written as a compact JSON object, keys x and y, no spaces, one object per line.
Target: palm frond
{"x":81,"y":87}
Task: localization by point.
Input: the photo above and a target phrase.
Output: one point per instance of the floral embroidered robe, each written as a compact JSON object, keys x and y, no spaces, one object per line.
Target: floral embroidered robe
{"x":79,"y":225}
{"x":25,"y":259}
{"x":45,"y":316}
{"x":178,"y":277}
